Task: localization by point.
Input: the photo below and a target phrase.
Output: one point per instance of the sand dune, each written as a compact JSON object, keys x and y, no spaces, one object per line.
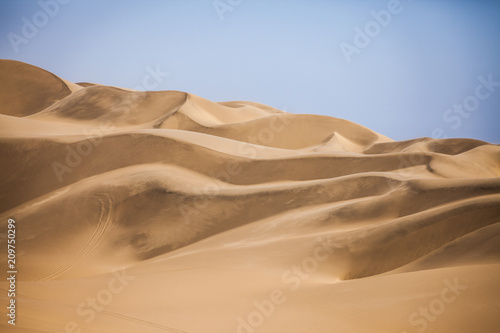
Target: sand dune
{"x":165,"y":212}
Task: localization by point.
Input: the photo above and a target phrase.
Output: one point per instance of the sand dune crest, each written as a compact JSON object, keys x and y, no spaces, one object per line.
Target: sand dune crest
{"x":178,"y":214}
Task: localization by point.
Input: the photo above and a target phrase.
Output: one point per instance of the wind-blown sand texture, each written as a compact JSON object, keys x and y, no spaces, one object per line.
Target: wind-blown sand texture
{"x":165,"y":212}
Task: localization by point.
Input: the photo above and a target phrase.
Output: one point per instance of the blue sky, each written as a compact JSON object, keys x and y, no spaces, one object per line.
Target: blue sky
{"x":406,"y":69}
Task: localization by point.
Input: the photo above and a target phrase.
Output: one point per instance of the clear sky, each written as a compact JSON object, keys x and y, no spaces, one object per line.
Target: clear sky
{"x":406,"y":69}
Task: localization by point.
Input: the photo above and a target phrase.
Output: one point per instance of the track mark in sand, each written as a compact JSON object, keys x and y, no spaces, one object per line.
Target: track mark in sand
{"x":144,"y":322}
{"x":102,"y":226}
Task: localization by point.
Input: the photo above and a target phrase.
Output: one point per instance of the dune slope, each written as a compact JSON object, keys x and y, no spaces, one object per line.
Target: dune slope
{"x":165,"y":212}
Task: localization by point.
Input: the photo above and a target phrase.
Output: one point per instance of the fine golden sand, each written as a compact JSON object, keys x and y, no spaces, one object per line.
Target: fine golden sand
{"x":165,"y":212}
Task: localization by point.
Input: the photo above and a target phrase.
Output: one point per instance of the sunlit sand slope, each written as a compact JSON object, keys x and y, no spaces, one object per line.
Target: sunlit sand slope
{"x":165,"y":212}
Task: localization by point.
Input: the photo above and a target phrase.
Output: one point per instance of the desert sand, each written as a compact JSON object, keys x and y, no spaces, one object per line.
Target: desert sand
{"x":165,"y":212}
